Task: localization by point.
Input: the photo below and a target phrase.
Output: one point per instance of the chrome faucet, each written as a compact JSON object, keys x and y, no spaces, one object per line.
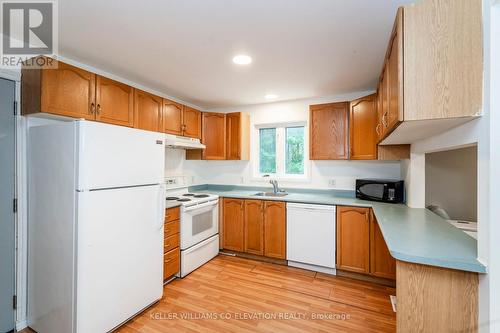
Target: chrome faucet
{"x":276,"y":188}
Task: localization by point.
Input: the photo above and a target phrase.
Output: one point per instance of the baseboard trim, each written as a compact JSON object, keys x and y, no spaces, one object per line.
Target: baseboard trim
{"x":253,"y":257}
{"x":22,"y":324}
{"x":314,"y":268}
{"x":367,"y":278}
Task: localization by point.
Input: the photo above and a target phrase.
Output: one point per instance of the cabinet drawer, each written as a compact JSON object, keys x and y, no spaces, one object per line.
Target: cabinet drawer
{"x":172,"y":214}
{"x":171,"y":228}
{"x":171,"y":263}
{"x":171,"y":242}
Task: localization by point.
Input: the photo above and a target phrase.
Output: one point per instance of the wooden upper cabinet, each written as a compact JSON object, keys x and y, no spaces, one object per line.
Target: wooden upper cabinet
{"x":328,"y":131}
{"x":213,"y":136}
{"x":233,"y":224}
{"x":237,"y":136}
{"x":192,"y":122}
{"x":66,"y":91}
{"x":443,"y":59}
{"x":353,"y":239}
{"x":275,"y":229}
{"x":173,"y":117}
{"x":254,"y":226}
{"x":114,"y":102}
{"x":394,"y":65}
{"x":362,"y":122}
{"x":148,"y":111}
{"x":382,"y":264}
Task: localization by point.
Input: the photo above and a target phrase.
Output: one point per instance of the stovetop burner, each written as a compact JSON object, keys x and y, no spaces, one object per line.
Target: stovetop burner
{"x":184,"y":200}
{"x":188,"y":195}
{"x":171,"y":198}
{"x":201,"y":195}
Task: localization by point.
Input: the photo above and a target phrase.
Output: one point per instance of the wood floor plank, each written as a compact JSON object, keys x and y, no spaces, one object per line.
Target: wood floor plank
{"x":231,"y":294}
{"x":253,"y":295}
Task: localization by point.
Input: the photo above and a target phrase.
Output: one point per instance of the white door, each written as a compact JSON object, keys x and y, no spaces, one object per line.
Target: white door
{"x":115,"y":156}
{"x":120,"y":255}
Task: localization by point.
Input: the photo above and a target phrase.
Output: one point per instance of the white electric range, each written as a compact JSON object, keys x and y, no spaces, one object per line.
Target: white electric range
{"x":199,"y":227}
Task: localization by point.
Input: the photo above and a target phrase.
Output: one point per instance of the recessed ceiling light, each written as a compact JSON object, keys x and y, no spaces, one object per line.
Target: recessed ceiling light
{"x":242,"y":59}
{"x":271,"y":96}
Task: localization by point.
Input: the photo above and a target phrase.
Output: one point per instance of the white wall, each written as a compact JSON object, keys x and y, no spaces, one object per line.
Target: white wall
{"x":451,"y":182}
{"x":241,"y":172}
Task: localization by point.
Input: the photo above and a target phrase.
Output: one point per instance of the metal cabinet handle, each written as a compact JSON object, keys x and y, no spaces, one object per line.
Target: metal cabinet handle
{"x":98,"y":109}
{"x":92,"y":108}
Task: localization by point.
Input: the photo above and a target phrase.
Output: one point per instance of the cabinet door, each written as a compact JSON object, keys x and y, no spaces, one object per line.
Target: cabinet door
{"x":237,"y":136}
{"x":233,"y":136}
{"x":395,"y":75}
{"x":234,"y":224}
{"x":353,"y":242}
{"x":328,"y":133}
{"x":192,"y":122}
{"x":68,"y":91}
{"x":148,"y":111}
{"x":115,"y":102}
{"x":382,"y":264}
{"x":384,"y":88}
{"x":214,"y":135}
{"x":172,"y":117}
{"x":363,"y":121}
{"x":254,"y":227}
{"x":443,"y":59}
{"x":275,"y":229}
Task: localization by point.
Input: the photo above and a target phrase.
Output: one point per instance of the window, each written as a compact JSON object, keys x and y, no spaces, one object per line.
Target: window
{"x":282,"y":151}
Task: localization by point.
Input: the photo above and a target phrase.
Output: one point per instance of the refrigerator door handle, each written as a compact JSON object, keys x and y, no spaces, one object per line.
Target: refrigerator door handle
{"x":161,"y":206}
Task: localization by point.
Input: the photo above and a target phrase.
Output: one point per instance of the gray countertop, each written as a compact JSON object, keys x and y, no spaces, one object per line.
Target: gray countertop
{"x":411,"y":234}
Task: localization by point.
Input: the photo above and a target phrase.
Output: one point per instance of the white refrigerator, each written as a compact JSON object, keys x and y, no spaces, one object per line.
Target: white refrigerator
{"x":95,"y":225}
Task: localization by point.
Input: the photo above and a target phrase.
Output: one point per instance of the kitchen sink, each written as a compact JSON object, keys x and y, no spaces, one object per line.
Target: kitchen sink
{"x":270,"y":194}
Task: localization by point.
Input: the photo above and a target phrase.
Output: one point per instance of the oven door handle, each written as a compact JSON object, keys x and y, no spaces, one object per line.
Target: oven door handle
{"x":203,"y":205}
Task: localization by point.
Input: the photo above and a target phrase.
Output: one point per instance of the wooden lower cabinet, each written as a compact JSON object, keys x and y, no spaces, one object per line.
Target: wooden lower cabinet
{"x":255,"y":226}
{"x":360,"y":244}
{"x":234,"y":224}
{"x":382,"y":264}
{"x":275,"y":229}
{"x":435,"y":299}
{"x":353,"y":241}
{"x":171,"y":263}
{"x":171,"y":249}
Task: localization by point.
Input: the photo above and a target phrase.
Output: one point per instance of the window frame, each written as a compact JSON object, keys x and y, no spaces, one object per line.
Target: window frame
{"x":281,"y":153}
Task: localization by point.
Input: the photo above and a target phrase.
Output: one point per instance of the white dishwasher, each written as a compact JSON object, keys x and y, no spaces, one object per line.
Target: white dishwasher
{"x":310,"y":237}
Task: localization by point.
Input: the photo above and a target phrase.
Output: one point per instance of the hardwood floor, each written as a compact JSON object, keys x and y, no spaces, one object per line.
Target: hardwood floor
{"x":231,"y":294}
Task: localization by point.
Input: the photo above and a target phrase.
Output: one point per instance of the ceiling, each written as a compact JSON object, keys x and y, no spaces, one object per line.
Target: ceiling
{"x":184,"y":48}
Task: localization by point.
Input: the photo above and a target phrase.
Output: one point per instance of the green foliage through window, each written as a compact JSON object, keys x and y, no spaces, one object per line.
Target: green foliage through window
{"x":267,"y":153}
{"x":294,"y":154}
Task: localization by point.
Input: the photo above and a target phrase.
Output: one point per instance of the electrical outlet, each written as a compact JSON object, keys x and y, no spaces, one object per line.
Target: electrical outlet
{"x":332,"y":182}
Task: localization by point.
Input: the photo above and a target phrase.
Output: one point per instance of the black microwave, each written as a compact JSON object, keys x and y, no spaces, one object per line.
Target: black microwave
{"x":383,"y":190}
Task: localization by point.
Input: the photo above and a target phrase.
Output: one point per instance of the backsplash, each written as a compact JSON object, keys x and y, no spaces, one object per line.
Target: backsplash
{"x":323,"y":174}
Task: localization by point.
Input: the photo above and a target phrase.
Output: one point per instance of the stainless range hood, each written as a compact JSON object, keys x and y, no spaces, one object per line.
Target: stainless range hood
{"x":182,"y":142}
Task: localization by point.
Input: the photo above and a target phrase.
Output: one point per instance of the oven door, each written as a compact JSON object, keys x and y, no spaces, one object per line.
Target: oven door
{"x":199,"y":222}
